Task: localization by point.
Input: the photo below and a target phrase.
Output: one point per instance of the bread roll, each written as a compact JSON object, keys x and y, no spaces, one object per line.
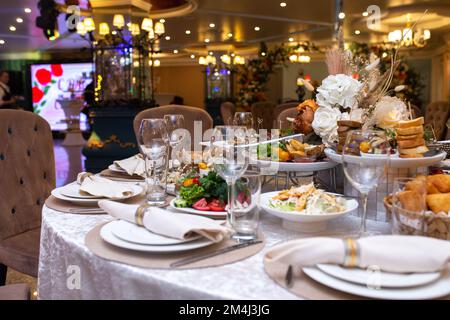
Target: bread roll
{"x":441,"y":182}
{"x":439,"y":202}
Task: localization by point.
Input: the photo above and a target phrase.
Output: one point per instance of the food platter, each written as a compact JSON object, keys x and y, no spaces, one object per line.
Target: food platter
{"x":297,"y":166}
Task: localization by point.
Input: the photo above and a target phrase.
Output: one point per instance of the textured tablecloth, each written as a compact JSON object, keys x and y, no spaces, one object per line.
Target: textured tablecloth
{"x":68,"y":270}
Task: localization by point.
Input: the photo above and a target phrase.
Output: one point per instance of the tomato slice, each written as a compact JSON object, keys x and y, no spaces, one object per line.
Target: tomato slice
{"x":201,"y":205}
{"x":216,"y":205}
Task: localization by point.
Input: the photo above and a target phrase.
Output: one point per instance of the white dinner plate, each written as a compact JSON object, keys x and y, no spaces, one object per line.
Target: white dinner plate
{"x":72,"y":190}
{"x":298,"y":221}
{"x":297,"y":166}
{"x":433,"y":290}
{"x":133,"y":233}
{"x":426,"y":161}
{"x":108,"y":236}
{"x":211,"y":214}
{"x":136,"y":190}
{"x":380,"y":278}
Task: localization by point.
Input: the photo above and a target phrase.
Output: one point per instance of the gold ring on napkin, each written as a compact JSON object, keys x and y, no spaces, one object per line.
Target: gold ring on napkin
{"x":139,"y":215}
{"x":351,"y":258}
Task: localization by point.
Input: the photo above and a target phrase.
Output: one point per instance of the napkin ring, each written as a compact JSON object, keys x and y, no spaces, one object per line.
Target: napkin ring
{"x":139,"y":215}
{"x":352,"y":252}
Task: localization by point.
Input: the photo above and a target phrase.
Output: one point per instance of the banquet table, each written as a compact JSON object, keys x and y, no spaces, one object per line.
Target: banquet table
{"x":64,"y":255}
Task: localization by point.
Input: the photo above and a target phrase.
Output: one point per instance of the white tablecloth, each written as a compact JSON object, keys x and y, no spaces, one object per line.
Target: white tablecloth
{"x":64,"y":256}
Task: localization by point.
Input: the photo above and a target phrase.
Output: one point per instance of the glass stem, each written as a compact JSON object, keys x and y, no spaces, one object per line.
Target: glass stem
{"x":363,"y":227}
{"x":147,"y":177}
{"x":230,"y":202}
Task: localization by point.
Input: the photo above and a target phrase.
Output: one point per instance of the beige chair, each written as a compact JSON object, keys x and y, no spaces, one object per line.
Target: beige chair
{"x":263,"y":114}
{"x":190,"y":114}
{"x":280,"y":108}
{"x":15,"y":292}
{"x":436,"y":115}
{"x":447,"y":136}
{"x":27,"y":174}
{"x":227,"y":110}
{"x":281,"y":121}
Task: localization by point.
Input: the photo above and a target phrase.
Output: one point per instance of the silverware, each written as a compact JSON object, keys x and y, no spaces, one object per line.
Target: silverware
{"x":89,"y":210}
{"x":202,"y":256}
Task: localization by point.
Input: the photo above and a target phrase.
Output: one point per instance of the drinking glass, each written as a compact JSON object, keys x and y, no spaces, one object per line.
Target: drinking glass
{"x":409,"y":216}
{"x":229,"y":160}
{"x":177,"y":133}
{"x":245,"y":217}
{"x":153,"y":142}
{"x":244,"y":119}
{"x":364,"y":158}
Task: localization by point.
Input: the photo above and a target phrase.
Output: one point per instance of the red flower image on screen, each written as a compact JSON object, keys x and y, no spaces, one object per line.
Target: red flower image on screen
{"x":57,"y":70}
{"x":36,"y":94}
{"x":43,"y":76}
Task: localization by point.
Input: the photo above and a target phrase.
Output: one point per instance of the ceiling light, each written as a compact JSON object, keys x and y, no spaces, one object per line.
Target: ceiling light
{"x":357,"y":32}
{"x":162,"y":20}
{"x":118,"y":21}
{"x":19,"y":20}
{"x":341,"y":15}
{"x":167,"y":38}
{"x":27,"y":10}
{"x":283,"y":4}
{"x":157,"y":63}
{"x":230,"y":35}
{"x":175,"y":51}
{"x":192,"y":56}
{"x":2,"y":41}
{"x":114,"y":32}
{"x":257,"y":28}
{"x":207,"y":40}
{"x":365,"y":14}
{"x":147,"y":24}
{"x":263,"y":54}
{"x":211,"y":53}
{"x":212,"y":25}
{"x":291,"y":39}
{"x":188,"y":31}
{"x":12,"y":28}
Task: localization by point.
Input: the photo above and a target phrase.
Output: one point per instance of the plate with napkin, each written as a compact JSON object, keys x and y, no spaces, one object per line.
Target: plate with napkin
{"x":170,"y":232}
{"x":380,"y":267}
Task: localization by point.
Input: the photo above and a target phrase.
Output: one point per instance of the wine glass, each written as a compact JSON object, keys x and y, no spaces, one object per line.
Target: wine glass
{"x":243,"y":119}
{"x":153,"y":142}
{"x":177,"y":133}
{"x":364,"y":158}
{"x":229,"y":160}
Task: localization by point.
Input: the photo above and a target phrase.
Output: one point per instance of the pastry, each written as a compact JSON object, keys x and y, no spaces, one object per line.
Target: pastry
{"x":411,"y":156}
{"x":419,"y":185}
{"x":410,"y":123}
{"x":409,"y":137}
{"x":404,"y":144}
{"x":412,"y":151}
{"x":441,"y":182}
{"x":439,"y":202}
{"x":410,"y":130}
{"x":411,"y":201}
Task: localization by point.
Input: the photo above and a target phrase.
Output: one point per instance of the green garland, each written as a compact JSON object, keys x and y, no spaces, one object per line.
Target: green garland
{"x":404,"y":75}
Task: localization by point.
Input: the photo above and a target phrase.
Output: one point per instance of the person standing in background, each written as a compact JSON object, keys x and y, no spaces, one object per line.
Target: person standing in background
{"x":7,"y":101}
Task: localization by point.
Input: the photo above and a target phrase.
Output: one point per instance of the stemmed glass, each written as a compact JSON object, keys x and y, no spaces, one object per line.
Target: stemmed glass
{"x":153,"y":140}
{"x":177,"y":133}
{"x":229,"y":160}
{"x":365,"y":157}
{"x":243,"y":119}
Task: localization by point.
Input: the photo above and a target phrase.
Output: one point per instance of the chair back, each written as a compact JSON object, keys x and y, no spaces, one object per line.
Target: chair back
{"x":437,"y":114}
{"x":281,"y":121}
{"x":27,"y":170}
{"x":190,"y":114}
{"x":227,"y":110}
{"x":263,"y":112}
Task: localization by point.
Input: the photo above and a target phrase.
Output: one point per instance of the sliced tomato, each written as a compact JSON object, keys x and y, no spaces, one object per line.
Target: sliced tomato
{"x":196,"y":181}
{"x":216,"y":205}
{"x":201,"y":205}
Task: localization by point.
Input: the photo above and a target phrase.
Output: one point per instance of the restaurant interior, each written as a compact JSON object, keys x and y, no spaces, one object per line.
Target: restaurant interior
{"x":291,"y":149}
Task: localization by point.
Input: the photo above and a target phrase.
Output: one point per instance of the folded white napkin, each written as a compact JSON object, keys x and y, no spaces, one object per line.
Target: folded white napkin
{"x":102,"y":187}
{"x":390,"y":253}
{"x":169,"y":224}
{"x":132,"y":165}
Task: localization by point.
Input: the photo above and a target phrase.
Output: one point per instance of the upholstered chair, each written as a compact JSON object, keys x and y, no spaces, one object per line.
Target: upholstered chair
{"x":287,"y":113}
{"x":27,"y":175}
{"x":263,"y":115}
{"x":227,"y":110}
{"x":437,"y":114}
{"x":18,"y":291}
{"x":190,"y":114}
{"x":280,"y":108}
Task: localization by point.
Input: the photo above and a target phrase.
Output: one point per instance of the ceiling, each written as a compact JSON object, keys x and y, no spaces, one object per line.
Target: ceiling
{"x":299,"y":19}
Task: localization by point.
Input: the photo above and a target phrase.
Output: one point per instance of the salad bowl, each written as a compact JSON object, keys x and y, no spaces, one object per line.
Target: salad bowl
{"x":302,"y":221}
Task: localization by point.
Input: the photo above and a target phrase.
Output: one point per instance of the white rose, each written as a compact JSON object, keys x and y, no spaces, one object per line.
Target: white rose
{"x":339,"y":90}
{"x":389,"y":111}
{"x":325,"y":123}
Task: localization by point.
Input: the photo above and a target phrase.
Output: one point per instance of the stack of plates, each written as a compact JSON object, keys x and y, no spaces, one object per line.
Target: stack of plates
{"x":129,"y":236}
{"x":376,"y":284}
{"x":71,"y":193}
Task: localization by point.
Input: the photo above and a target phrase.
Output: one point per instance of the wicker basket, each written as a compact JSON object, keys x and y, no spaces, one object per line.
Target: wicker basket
{"x":413,"y":223}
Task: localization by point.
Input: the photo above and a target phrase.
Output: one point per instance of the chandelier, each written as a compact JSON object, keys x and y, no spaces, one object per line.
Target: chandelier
{"x":409,"y":37}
